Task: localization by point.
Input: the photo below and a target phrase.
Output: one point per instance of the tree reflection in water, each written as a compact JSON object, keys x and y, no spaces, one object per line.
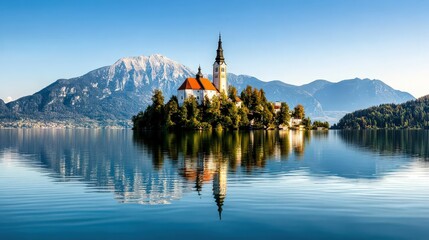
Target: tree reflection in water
{"x":390,"y":142}
{"x":207,"y":156}
{"x":248,"y":149}
{"x":152,"y":167}
{"x":159,"y":167}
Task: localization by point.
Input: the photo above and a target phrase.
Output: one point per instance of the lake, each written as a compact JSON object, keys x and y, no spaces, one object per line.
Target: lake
{"x":114,"y":184}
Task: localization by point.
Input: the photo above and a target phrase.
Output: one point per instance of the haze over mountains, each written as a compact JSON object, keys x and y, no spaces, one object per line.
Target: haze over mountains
{"x":112,"y":94}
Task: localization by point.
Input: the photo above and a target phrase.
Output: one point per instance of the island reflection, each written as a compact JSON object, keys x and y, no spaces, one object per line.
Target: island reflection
{"x":159,"y":167}
{"x":202,"y":157}
{"x":249,"y":149}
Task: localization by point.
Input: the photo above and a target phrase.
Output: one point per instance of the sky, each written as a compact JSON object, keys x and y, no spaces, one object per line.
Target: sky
{"x":295,"y":41}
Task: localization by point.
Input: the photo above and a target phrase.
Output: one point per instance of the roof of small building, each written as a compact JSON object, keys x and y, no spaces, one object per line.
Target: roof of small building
{"x":237,"y":99}
{"x":194,"y":84}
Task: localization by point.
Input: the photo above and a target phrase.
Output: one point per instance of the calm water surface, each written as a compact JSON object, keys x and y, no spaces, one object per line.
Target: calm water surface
{"x":113,"y":184}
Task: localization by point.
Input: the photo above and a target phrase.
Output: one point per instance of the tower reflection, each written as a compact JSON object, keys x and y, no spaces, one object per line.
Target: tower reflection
{"x":152,"y":167}
{"x":204,"y":157}
{"x":219,"y":186}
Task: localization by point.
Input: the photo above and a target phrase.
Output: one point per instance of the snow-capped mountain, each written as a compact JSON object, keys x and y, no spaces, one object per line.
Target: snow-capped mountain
{"x":115,"y":93}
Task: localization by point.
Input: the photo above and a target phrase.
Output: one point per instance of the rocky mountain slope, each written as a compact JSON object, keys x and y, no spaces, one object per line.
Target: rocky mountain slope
{"x":114,"y":93}
{"x":4,"y":110}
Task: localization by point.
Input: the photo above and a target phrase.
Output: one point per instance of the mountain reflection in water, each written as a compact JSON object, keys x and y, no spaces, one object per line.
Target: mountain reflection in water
{"x":159,"y":167}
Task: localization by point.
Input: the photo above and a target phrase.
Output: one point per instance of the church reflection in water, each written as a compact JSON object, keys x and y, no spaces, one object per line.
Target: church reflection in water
{"x":160,"y":167}
{"x":153,"y":167}
{"x":207,"y":157}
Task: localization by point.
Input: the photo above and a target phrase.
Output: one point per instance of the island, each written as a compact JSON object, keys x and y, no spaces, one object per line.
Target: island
{"x":204,"y":104}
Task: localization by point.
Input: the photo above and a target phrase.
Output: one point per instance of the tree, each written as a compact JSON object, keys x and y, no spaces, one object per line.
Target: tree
{"x":246,"y":96}
{"x":220,"y":111}
{"x":321,"y":124}
{"x":157,"y":99}
{"x":172,"y":113}
{"x":298,"y":112}
{"x":244,"y":120}
{"x":307,"y":123}
{"x":267,"y":115}
{"x":193,"y":113}
{"x":157,"y":114}
{"x":283,"y":116}
{"x":412,"y":114}
{"x":232,"y":93}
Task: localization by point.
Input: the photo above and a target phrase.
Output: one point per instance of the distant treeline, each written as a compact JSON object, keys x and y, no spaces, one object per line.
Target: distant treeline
{"x":221,"y":112}
{"x":412,"y":114}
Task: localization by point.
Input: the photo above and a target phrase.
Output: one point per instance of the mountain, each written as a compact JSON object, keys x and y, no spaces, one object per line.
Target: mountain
{"x":353,"y":94}
{"x":3,"y":107}
{"x":324,"y":100}
{"x":111,"y":95}
{"x":114,"y":92}
{"x":315,"y":86}
{"x":412,"y":114}
{"x":280,"y":91}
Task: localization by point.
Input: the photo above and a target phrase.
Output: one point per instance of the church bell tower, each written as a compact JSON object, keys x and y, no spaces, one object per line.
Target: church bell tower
{"x":219,"y":70}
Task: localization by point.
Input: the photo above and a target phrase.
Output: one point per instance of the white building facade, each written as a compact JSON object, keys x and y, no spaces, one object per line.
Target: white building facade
{"x":200,"y":87}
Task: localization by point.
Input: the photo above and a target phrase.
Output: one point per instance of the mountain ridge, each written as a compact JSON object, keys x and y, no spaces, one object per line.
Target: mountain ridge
{"x":118,"y":91}
{"x":347,"y":95}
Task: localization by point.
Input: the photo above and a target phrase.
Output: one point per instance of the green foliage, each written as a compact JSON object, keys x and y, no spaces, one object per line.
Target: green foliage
{"x":320,"y":124}
{"x":307,"y":123}
{"x":232,"y":93}
{"x":412,"y":114}
{"x":298,"y":112}
{"x":283,"y":116}
{"x":221,"y":112}
{"x":153,"y":116}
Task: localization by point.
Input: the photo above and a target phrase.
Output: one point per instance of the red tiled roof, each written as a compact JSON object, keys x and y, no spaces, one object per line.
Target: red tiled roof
{"x":192,"y":83}
{"x":207,"y":85}
{"x":237,"y":99}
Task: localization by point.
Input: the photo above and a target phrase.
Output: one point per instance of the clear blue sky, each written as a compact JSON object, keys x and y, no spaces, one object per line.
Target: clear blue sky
{"x":296,"y":41}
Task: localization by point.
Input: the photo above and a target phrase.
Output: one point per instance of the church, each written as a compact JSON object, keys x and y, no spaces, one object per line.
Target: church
{"x":200,"y":87}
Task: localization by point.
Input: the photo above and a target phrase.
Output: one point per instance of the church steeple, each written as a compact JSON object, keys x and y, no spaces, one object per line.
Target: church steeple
{"x":219,"y":55}
{"x":199,"y":74}
{"x":219,"y":70}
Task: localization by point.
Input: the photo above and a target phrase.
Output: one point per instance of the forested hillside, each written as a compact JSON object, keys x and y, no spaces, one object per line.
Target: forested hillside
{"x":412,"y":114}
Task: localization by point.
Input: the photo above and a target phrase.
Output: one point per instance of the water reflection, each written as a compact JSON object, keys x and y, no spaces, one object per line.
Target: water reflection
{"x":390,"y":142}
{"x":204,"y":157}
{"x":247,"y":149}
{"x":159,"y":167}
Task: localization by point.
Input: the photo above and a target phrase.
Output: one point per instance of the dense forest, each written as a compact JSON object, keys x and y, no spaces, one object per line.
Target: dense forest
{"x":412,"y":114}
{"x":221,"y":112}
